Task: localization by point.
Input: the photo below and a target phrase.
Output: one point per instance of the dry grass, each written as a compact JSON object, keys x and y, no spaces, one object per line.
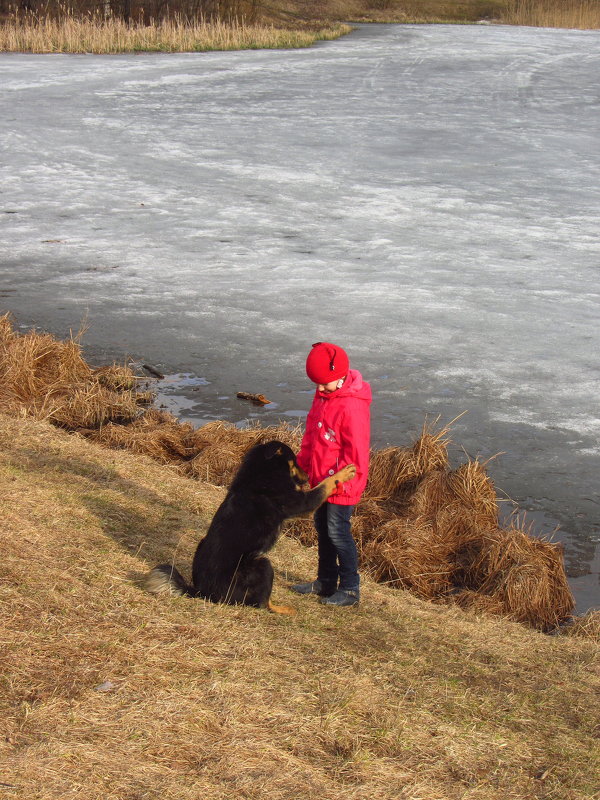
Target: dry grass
{"x":587,"y":626}
{"x":421,"y":526}
{"x":72,"y":34}
{"x":520,"y":573}
{"x":436,"y":533}
{"x":288,"y":23}
{"x":49,"y":379}
{"x":582,"y":14}
{"x":392,"y":468}
{"x":403,"y":11}
{"x":543,"y":13}
{"x":211,"y":453}
{"x":108,"y":692}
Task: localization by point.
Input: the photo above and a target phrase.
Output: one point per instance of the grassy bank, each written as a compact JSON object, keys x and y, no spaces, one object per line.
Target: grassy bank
{"x":281,"y":28}
{"x":108,"y":692}
{"x":544,"y":13}
{"x":287,"y":24}
{"x":72,"y":34}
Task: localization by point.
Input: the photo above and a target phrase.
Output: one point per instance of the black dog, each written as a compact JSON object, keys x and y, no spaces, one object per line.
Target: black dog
{"x":229,"y":565}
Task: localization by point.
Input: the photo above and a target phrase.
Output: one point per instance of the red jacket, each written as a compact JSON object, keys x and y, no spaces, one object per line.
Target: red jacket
{"x":338,"y":433}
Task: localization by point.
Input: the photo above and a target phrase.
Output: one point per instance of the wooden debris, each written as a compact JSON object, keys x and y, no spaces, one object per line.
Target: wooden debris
{"x":257,"y":399}
{"x":153,"y":371}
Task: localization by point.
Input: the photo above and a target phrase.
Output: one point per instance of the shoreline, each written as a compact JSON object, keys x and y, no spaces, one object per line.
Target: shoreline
{"x":275,"y":28}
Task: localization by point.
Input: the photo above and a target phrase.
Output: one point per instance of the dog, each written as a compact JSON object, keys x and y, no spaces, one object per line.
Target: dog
{"x":230,"y":565}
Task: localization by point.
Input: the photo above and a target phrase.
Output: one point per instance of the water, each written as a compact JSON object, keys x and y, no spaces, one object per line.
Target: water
{"x":427,"y":196}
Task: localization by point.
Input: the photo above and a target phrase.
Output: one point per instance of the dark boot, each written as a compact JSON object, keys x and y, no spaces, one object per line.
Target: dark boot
{"x":343,"y":597}
{"x":313,"y":587}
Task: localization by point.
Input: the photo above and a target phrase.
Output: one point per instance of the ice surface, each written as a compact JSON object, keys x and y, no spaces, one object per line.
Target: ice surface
{"x":427,"y":196}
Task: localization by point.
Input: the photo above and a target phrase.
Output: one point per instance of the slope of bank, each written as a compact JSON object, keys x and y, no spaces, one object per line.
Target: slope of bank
{"x":109,"y":692}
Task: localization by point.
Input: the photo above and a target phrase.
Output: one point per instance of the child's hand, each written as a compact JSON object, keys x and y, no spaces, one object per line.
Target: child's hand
{"x":345,"y":474}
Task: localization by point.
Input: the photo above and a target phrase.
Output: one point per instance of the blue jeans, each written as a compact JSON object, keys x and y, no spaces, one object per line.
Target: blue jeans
{"x":338,"y":557}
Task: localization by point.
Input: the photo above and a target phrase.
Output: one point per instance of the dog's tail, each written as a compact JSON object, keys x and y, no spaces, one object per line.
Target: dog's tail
{"x":165,"y":579}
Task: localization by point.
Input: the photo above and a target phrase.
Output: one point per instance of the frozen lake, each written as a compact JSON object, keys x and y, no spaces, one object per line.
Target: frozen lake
{"x":427,"y":196}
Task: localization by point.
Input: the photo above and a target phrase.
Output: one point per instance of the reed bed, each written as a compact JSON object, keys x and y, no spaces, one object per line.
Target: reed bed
{"x":49,"y":379}
{"x":581,"y":14}
{"x":211,"y":453}
{"x":93,"y":34}
{"x":421,"y":526}
{"x":443,"y":543}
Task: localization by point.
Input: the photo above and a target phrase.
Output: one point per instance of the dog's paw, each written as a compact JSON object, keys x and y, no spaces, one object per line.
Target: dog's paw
{"x":281,"y":609}
{"x":345,"y":474}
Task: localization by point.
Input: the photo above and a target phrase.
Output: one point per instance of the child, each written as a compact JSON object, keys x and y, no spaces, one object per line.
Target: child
{"x":337,"y":433}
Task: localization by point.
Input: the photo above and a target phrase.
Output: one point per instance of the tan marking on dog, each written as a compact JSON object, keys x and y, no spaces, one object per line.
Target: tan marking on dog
{"x":297,"y":474}
{"x":281,"y":609}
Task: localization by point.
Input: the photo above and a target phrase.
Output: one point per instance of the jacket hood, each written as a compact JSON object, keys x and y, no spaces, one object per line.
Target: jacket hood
{"x":354,"y":386}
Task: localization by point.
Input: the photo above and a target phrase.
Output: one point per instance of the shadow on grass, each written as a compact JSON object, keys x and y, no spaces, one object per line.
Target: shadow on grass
{"x":142,"y":522}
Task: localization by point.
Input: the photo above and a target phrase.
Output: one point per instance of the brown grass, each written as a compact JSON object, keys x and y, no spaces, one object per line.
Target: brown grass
{"x":392,"y":468}
{"x":402,"y":11}
{"x":543,"y":13}
{"x":587,"y":626}
{"x":522,"y":574}
{"x":421,"y":526}
{"x":49,"y":379}
{"x":287,"y":23}
{"x":108,"y":692}
{"x":211,"y":453}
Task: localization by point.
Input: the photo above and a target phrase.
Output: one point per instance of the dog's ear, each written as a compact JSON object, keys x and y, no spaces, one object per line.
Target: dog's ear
{"x":273,"y":449}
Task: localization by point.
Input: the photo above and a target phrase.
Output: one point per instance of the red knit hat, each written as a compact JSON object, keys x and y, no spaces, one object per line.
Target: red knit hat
{"x":326,"y":362}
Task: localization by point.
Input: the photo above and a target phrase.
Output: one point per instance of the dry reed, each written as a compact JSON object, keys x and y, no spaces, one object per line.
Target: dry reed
{"x":212,"y":453}
{"x":421,"y":525}
{"x":581,"y":14}
{"x":522,"y":574}
{"x":586,"y":626}
{"x":73,"y":34}
{"x":49,"y":379}
{"x":392,"y":468}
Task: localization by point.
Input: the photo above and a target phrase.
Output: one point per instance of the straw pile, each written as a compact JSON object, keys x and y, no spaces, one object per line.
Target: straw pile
{"x":49,"y":379}
{"x":435,"y":532}
{"x":587,"y":626}
{"x":421,"y":525}
{"x":212,"y":453}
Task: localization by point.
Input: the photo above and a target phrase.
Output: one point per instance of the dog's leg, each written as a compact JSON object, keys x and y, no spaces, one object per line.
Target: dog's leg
{"x":308,"y":502}
{"x":281,"y":609}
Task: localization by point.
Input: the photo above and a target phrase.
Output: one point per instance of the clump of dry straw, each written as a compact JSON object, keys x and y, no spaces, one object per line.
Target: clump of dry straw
{"x":421,"y":525}
{"x":49,"y":379}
